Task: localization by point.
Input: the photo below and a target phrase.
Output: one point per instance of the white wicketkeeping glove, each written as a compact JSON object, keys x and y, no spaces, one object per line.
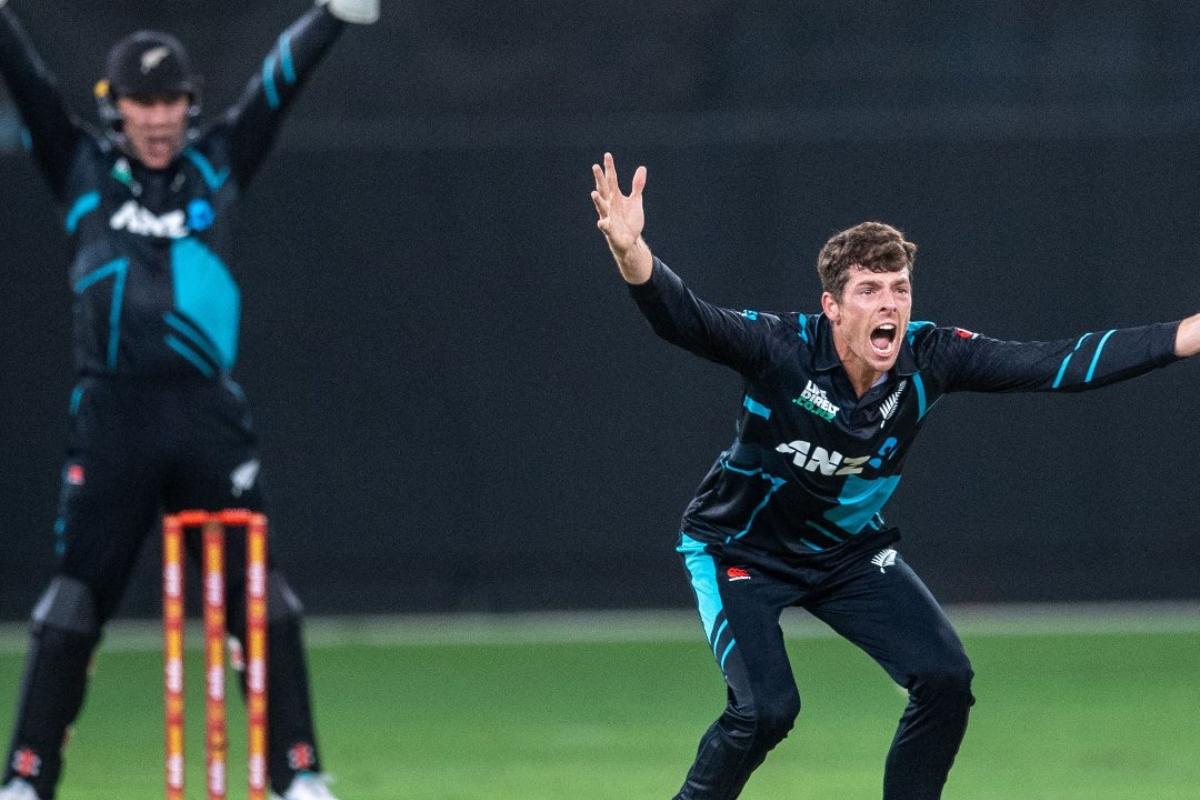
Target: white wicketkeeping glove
{"x":363,"y":12}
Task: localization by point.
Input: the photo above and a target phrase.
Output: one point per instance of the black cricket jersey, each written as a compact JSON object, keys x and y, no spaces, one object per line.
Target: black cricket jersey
{"x":153,"y":293}
{"x":813,"y":464}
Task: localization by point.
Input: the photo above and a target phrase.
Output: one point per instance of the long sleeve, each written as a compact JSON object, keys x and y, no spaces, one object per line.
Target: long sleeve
{"x":968,"y":362}
{"x":254,"y":120}
{"x":738,"y":339}
{"x":54,"y":131}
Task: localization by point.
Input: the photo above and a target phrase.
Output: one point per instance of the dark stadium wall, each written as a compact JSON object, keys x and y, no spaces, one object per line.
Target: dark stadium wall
{"x":461,"y":409}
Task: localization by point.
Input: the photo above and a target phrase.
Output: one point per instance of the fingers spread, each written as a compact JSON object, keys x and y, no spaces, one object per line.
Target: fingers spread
{"x":598,"y":176}
{"x":639,"y":181}
{"x":610,"y":172}
{"x":600,"y":203}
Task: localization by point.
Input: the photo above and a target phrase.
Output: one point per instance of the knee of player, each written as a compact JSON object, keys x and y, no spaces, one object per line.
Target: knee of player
{"x":774,"y":717}
{"x":950,"y":678}
{"x":68,"y":605}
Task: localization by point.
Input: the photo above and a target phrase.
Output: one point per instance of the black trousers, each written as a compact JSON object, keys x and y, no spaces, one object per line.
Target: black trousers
{"x":866,"y":593}
{"x":137,"y":448}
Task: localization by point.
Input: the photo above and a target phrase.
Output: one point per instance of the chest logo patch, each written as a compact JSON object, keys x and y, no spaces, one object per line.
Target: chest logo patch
{"x":814,"y":400}
{"x":138,"y":219}
{"x":888,"y":407}
{"x":818,"y":459}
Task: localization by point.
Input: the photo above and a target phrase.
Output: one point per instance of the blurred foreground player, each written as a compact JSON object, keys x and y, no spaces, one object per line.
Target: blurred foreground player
{"x":789,"y":514}
{"x":156,"y":424}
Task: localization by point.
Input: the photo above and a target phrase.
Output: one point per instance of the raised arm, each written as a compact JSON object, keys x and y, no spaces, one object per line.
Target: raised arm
{"x":739,"y":339}
{"x":254,"y":120}
{"x":54,"y":131}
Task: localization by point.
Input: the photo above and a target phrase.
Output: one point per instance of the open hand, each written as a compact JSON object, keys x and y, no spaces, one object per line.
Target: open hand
{"x":621,"y":219}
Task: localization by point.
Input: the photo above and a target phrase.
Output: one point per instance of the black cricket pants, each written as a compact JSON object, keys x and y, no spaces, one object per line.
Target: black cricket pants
{"x":868,"y":595}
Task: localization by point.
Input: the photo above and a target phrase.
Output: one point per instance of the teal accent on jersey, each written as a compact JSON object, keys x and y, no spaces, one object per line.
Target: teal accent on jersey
{"x":756,"y":408}
{"x":268,"y":82}
{"x":860,"y":500}
{"x":285,"y":58}
{"x":702,"y":568}
{"x":1096,"y":358}
{"x":725,"y":655}
{"x":913,"y":327}
{"x":214,"y":179}
{"x":206,"y":293}
{"x":195,"y":337}
{"x":119,"y":269}
{"x":1062,"y":370}
{"x":919,"y":385}
{"x":85,"y":205}
{"x":802,"y":321}
{"x":776,"y":484}
{"x":76,"y":399}
{"x":191,"y":355}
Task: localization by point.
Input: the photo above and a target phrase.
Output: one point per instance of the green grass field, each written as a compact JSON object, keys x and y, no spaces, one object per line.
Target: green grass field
{"x":1085,"y":716}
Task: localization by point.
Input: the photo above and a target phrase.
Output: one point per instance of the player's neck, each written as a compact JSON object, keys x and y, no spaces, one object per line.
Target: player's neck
{"x":861,"y":374}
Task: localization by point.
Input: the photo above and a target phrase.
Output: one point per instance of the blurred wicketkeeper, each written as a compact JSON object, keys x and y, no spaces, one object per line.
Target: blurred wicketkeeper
{"x":156,"y":422}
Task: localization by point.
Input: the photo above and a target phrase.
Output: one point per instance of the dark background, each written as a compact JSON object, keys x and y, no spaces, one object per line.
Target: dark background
{"x":461,"y":409}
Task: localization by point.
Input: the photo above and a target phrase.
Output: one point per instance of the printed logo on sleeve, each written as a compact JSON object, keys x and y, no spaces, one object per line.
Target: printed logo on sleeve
{"x":737,"y":574}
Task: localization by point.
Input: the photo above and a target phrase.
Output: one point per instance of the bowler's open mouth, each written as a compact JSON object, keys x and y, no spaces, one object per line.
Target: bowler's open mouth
{"x":883,"y":337}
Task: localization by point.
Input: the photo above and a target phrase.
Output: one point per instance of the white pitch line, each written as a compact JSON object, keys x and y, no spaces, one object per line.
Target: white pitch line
{"x":656,"y":626}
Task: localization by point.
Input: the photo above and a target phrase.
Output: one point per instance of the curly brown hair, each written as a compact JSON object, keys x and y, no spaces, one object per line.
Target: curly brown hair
{"x":871,"y":245}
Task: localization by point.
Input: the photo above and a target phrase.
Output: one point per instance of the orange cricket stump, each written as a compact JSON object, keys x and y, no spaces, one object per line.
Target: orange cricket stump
{"x":213,"y":527}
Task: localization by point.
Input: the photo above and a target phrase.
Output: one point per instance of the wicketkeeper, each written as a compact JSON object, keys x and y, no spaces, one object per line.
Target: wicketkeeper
{"x":156,"y":423}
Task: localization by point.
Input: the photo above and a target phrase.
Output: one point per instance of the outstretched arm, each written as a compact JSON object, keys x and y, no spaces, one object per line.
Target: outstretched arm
{"x":965,"y":361}
{"x":54,"y":131}
{"x":254,"y":120}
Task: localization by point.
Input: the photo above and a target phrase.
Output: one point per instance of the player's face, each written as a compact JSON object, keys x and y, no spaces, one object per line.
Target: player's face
{"x":870,"y":318}
{"x":154,"y":126}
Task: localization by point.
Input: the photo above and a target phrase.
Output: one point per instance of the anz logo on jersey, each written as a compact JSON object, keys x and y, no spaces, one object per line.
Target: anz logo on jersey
{"x":812,"y":459}
{"x":138,"y":219}
{"x":817,"y":459}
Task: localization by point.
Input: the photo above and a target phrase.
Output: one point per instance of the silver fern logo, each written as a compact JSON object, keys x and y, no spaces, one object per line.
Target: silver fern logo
{"x":889,"y":406}
{"x":153,"y":57}
{"x":884,"y":559}
{"x":243,"y":477}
